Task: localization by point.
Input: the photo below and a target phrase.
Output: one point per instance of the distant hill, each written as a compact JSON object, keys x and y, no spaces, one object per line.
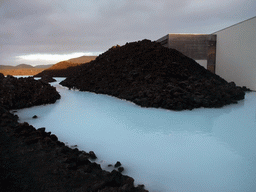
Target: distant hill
{"x":43,"y":66}
{"x":60,"y":69}
{"x":6,"y":67}
{"x":20,"y":66}
{"x":62,"y":65}
{"x":83,"y":59}
{"x":56,"y":70}
{"x":22,"y":69}
{"x":23,"y":66}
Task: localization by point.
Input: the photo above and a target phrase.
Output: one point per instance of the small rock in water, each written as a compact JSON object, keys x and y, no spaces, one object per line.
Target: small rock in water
{"x":34,"y":117}
{"x":118,"y":164}
{"x":141,"y":186}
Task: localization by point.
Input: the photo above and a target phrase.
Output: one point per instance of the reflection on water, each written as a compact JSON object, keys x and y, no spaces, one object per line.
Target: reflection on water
{"x":200,"y":150}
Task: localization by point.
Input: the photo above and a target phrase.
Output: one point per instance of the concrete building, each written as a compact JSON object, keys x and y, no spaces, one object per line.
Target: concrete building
{"x":236,"y":53}
{"x":230,"y":52}
{"x":200,"y":47}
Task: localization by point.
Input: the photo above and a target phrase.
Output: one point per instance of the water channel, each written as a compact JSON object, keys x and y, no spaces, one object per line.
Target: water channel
{"x":203,"y":149}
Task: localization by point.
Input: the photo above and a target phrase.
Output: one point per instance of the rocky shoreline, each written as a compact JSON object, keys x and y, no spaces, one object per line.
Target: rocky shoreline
{"x":35,"y":160}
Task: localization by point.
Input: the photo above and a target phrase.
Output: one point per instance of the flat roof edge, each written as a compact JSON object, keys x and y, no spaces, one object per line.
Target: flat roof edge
{"x":234,"y":25}
{"x":190,"y":34}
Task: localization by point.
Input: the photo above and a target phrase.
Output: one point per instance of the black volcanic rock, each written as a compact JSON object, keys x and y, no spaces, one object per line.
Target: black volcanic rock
{"x":118,"y":164}
{"x":17,"y":93}
{"x":151,"y":75}
{"x":47,"y":79}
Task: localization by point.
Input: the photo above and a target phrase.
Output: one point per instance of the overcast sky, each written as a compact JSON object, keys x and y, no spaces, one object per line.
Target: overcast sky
{"x":45,"y":31}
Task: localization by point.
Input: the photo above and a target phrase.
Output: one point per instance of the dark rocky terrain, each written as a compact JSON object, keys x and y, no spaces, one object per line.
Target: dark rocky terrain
{"x":151,"y":75}
{"x":47,"y":79}
{"x":35,"y":160}
{"x":17,"y":93}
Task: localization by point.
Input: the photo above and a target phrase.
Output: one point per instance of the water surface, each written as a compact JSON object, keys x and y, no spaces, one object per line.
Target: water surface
{"x":209,"y":150}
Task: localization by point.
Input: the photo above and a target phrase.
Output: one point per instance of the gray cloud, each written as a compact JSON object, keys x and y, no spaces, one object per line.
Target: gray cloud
{"x":62,"y":26}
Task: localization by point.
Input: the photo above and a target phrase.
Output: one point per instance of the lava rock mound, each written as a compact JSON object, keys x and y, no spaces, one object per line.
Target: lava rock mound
{"x":151,"y":75}
{"x":17,"y":93}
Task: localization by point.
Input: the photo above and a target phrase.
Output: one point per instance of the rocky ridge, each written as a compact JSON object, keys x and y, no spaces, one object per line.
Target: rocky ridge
{"x":151,"y":75}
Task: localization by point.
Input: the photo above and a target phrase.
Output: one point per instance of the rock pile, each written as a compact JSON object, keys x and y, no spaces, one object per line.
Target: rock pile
{"x":151,"y":75}
{"x":17,"y":93}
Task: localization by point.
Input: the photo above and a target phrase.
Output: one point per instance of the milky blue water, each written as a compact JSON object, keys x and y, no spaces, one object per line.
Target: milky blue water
{"x":209,"y":150}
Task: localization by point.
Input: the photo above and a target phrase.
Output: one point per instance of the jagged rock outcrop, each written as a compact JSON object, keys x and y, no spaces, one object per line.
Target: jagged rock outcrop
{"x":17,"y":93}
{"x":151,"y":75}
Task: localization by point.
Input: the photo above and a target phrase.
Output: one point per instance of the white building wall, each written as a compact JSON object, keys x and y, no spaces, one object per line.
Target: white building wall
{"x":202,"y":63}
{"x":236,"y":53}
